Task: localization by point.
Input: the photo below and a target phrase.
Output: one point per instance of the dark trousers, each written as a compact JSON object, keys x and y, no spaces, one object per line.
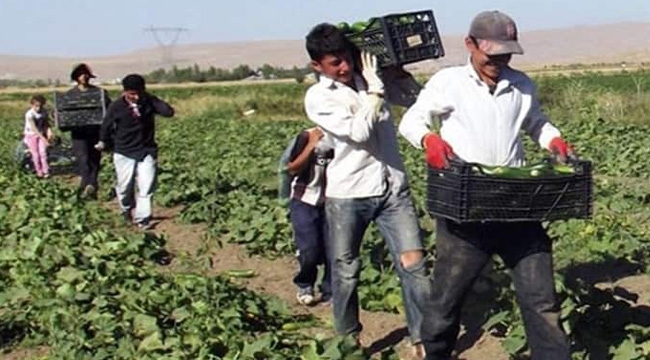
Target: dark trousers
{"x":310,"y":236}
{"x":462,"y":251}
{"x":88,"y":160}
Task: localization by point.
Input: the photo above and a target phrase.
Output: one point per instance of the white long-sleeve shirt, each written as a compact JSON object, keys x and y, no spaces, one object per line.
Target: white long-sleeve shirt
{"x":480,"y":126}
{"x":366,"y":152}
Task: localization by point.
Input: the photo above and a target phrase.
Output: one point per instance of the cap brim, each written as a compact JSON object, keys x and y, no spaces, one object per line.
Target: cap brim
{"x":500,"y":47}
{"x":75,"y":75}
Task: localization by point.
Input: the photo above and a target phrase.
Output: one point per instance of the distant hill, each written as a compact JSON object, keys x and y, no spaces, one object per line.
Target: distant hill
{"x":609,"y":43}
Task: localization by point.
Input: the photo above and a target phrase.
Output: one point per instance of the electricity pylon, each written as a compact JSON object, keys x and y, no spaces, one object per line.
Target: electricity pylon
{"x":166,"y":43}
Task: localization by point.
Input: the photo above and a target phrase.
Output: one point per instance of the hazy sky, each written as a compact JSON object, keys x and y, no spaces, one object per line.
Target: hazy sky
{"x":98,"y":27}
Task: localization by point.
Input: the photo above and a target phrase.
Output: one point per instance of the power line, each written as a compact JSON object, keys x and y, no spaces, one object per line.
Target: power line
{"x":166,"y":43}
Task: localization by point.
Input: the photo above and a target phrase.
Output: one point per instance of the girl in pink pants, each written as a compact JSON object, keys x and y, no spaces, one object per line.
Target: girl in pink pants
{"x":38,"y":134}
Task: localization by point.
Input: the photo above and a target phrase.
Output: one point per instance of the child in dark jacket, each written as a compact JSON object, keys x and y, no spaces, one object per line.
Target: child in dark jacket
{"x":308,"y":158}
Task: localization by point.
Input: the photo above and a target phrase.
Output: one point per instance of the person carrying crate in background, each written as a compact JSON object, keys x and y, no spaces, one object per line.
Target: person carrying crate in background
{"x":483,"y":106}
{"x":85,"y":137}
{"x":366,"y":179}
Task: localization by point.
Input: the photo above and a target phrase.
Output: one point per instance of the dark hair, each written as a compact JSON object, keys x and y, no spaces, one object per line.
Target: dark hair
{"x":133,"y":82}
{"x":38,"y":97}
{"x":327,"y":39}
{"x":81,"y":69}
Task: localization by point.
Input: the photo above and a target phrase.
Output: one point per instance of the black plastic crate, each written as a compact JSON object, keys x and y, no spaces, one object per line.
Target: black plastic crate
{"x":78,"y":109}
{"x":399,"y":39}
{"x":460,"y":194}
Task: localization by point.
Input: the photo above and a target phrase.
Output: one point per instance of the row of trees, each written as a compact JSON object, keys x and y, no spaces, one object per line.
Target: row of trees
{"x":196,"y":74}
{"x":189,"y":74}
{"x":38,"y":83}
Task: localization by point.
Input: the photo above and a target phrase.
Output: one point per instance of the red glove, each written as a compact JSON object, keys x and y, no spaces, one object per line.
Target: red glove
{"x":561,"y":149}
{"x":437,"y":151}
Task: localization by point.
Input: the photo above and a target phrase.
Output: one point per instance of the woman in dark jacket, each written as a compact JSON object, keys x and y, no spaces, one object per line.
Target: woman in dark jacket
{"x":85,"y":137}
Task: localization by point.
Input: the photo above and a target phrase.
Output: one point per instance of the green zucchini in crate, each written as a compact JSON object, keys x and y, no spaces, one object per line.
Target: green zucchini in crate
{"x":398,"y":39}
{"x":469,"y":192}
{"x":542,"y":169}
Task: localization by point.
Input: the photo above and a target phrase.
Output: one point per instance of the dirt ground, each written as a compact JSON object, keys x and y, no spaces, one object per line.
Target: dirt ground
{"x":381,"y":330}
{"x":273,"y":277}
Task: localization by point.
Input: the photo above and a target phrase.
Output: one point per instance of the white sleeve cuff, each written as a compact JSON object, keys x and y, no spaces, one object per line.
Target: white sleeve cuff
{"x":548,"y":133}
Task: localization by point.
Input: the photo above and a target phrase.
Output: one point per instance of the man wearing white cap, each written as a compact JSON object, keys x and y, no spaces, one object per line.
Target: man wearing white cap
{"x":483,"y":107}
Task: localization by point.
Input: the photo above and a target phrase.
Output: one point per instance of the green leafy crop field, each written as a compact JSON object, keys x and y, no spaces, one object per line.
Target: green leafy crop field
{"x":75,"y":281}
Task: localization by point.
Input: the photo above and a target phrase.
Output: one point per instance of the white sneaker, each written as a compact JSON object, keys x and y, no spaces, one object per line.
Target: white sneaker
{"x":145,"y":225}
{"x":306,"y":297}
{"x":418,"y":351}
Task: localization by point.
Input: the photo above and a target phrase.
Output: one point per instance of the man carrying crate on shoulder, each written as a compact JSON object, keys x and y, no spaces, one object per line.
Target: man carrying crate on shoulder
{"x":483,"y":106}
{"x":366,"y":179}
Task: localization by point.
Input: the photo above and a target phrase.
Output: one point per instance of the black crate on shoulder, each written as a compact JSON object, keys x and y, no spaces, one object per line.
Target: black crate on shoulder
{"x":78,"y":109}
{"x":460,"y":194}
{"x":399,"y":39}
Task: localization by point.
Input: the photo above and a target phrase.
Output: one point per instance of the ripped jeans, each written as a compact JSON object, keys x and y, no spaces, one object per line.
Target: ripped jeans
{"x":462,"y":251}
{"x":397,"y":221}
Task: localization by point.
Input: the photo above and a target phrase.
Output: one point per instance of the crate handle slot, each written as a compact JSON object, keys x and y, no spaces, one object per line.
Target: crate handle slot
{"x":566,"y":186}
{"x":538,"y":189}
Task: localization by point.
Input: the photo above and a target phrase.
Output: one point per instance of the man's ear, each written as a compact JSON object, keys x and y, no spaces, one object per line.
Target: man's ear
{"x":316,"y":66}
{"x":469,"y":43}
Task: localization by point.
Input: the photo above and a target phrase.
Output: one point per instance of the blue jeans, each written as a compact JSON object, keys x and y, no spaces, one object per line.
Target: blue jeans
{"x":462,"y":251}
{"x":310,"y":235}
{"x":397,"y":221}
